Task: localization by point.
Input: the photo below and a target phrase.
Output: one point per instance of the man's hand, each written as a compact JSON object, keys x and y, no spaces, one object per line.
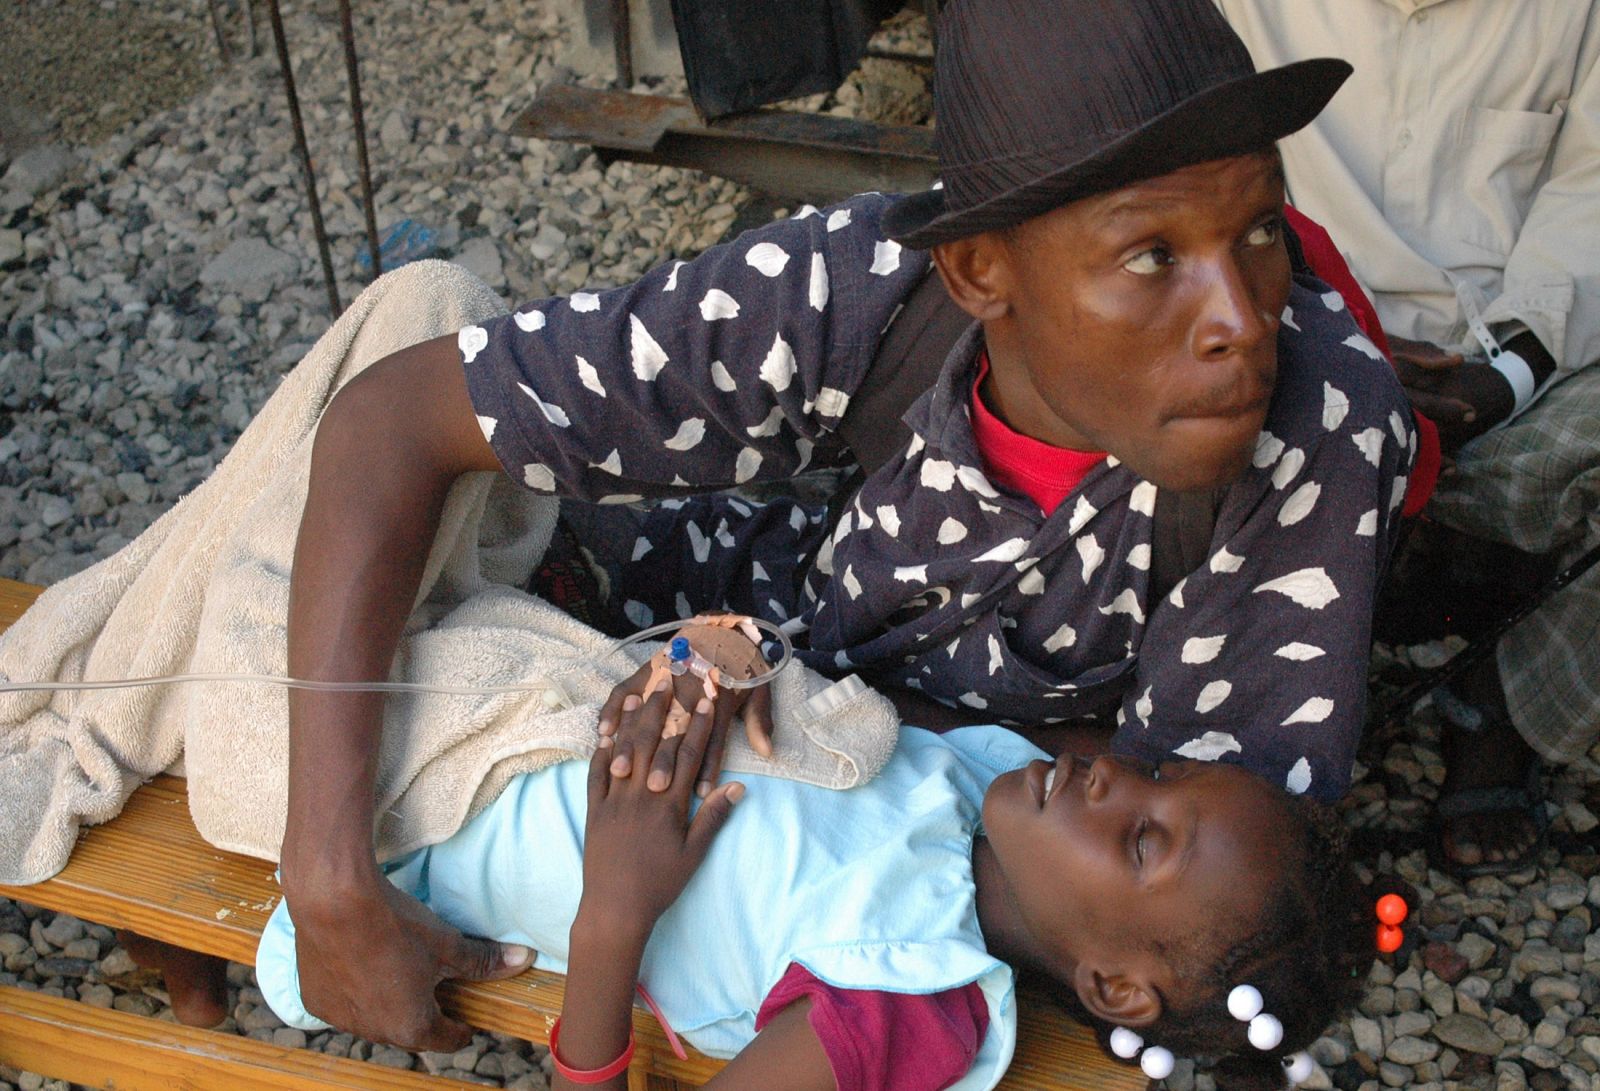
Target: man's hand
{"x":640,"y":846}
{"x":686,"y":693}
{"x":369,"y":965}
{"x":1465,"y":401}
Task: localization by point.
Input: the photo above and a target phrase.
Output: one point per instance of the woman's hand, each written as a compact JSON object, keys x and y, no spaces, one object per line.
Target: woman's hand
{"x":640,"y":845}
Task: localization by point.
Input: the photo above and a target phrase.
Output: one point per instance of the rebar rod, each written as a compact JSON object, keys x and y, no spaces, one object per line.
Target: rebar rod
{"x":282,"y":43}
{"x":353,"y":74}
{"x":216,"y":28}
{"x":622,"y":41}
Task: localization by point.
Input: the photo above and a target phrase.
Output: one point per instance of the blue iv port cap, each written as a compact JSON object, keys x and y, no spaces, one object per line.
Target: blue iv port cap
{"x":679,"y":648}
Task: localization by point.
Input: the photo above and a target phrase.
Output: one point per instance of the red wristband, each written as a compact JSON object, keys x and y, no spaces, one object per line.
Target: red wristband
{"x":591,"y":1075}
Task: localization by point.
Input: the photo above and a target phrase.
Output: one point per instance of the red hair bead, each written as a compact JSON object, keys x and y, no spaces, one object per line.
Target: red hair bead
{"x":1392,"y":909}
{"x":1389,"y":937}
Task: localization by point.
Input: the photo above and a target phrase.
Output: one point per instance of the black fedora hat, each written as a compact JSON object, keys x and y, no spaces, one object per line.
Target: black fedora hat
{"x":1042,"y":102}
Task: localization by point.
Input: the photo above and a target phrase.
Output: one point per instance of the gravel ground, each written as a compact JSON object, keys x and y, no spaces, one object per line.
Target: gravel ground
{"x":158,"y":276}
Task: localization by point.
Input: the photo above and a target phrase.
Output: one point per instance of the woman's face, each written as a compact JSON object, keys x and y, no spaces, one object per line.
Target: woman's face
{"x":1105,"y":859}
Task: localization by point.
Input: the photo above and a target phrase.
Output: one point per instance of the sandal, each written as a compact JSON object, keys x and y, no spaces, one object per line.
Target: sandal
{"x":1527,"y":799}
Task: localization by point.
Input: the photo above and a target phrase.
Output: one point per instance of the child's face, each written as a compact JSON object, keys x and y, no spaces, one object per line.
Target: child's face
{"x":1106,"y":862}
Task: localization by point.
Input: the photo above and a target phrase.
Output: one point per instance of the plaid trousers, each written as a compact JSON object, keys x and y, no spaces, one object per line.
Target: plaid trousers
{"x":1535,"y":484}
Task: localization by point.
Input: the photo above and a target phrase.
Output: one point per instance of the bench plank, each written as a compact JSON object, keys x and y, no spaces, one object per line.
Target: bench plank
{"x":151,"y":872}
{"x":104,"y":1048}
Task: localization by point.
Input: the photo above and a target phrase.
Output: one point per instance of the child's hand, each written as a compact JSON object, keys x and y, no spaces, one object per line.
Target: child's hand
{"x":756,"y":705}
{"x":640,"y":846}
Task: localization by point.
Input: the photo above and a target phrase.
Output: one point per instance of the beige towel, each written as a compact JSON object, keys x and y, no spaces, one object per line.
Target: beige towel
{"x":206,"y":589}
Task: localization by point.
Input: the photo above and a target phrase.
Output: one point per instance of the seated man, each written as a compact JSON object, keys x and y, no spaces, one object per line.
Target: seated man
{"x":1460,"y":169}
{"x":1112,"y":218}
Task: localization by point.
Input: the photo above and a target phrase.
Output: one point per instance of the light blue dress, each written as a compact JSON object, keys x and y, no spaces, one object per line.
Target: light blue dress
{"x":869,"y":888}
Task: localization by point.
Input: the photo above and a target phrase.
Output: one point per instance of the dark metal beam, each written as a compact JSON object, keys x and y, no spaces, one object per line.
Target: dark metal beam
{"x":810,"y":157}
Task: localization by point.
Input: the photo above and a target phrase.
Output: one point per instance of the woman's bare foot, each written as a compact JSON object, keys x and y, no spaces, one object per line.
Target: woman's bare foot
{"x":1477,"y":764}
{"x":197,"y":984}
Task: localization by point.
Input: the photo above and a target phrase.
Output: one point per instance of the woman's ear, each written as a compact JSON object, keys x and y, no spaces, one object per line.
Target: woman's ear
{"x":976,"y":273}
{"x":1123,"y":998}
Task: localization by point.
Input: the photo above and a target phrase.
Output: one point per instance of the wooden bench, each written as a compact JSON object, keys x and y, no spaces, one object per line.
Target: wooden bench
{"x":149,"y":871}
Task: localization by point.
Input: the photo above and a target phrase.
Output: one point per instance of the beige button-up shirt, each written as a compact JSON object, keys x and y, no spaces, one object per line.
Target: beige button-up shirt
{"x":1460,"y":165}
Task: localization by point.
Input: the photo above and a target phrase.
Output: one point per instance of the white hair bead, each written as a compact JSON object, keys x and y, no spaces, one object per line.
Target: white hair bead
{"x":1157,"y":1063}
{"x":1299,"y":1067}
{"x":1265,"y":1031}
{"x":1125,"y":1043}
{"x":1245,"y":1003}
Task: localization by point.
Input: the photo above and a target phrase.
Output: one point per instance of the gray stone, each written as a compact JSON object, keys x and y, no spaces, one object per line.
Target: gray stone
{"x":481,"y":258}
{"x":390,"y":1057}
{"x":1368,"y":1036}
{"x":1411,"y":1051}
{"x":63,"y":930}
{"x":1564,"y":896}
{"x":39,"y":169}
{"x":249,"y":263}
{"x":11,"y":248}
{"x":1467,"y":1034}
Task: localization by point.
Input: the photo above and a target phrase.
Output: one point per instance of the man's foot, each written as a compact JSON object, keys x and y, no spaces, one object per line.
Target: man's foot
{"x":197,"y":984}
{"x":1491,"y":816}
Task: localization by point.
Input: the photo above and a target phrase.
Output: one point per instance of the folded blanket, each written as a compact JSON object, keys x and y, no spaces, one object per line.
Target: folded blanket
{"x":206,"y":589}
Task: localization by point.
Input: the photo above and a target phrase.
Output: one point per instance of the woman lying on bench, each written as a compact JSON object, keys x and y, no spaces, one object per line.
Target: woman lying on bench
{"x":867,"y":938}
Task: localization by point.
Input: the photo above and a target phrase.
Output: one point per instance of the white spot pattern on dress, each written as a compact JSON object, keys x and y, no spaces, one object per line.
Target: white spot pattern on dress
{"x":1126,"y":602}
{"x":1007,"y":551}
{"x":1082,"y":512}
{"x":1361,"y":344}
{"x":1143,"y":498}
{"x":672,"y":277}
{"x":1299,"y":652}
{"x":1335,"y":406}
{"x":552,"y":413}
{"x":951,"y":531}
{"x":1224,"y":561}
{"x":1202,"y":649}
{"x":611,"y":464}
{"x":1145,"y":705}
{"x":1333,"y":301}
{"x":471,"y":341}
{"x":839,"y":217}
{"x":852,"y":586}
{"x":589,"y":377}
{"x":973,"y":481}
{"x":1369,"y":441}
{"x":1268,"y":449}
{"x":1139,"y":557}
{"x":698,"y":542}
{"x":911,"y":573}
{"x":648,"y":357}
{"x":889,"y":520}
{"x":1309,"y":587}
{"x":1031,"y":583}
{"x":746,"y":465}
{"x":487,"y":426}
{"x":777,"y":370}
{"x":1299,"y":778}
{"x":718,"y":305}
{"x":529,"y":321}
{"x":817,"y":290}
{"x":1300,"y":504}
{"x":768,"y":427}
{"x":1367,"y":527}
{"x":1213,"y":695}
{"x":1209,"y":747}
{"x":536,"y":475}
{"x":721,"y":379}
{"x":641,"y":546}
{"x":937,"y":474}
{"x":1288,"y":318}
{"x":688,"y":435}
{"x":638,"y":613}
{"x":885,"y":257}
{"x":996,"y":658}
{"x":1090,"y":553}
{"x":767,"y":258}
{"x":1288,"y":467}
{"x":1314,"y":711}
{"x":584,"y":302}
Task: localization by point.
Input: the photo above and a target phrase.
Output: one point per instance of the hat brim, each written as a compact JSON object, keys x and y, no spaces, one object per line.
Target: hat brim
{"x":1233,"y":118}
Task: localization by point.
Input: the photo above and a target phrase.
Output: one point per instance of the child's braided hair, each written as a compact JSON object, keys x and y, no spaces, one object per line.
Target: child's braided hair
{"x":1305,"y":954}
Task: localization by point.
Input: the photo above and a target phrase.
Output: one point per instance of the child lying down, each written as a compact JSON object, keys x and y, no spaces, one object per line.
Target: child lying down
{"x":870,"y":938}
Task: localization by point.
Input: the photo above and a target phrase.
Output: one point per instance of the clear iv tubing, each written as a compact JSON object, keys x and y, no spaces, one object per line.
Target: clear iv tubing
{"x":405,"y":687}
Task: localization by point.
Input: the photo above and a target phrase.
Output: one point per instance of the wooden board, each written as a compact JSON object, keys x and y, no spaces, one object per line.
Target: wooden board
{"x":103,"y":1048}
{"x":149,"y":870}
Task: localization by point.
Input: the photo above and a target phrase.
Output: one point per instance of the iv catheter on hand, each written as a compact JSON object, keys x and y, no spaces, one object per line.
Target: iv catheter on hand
{"x":321,"y":686}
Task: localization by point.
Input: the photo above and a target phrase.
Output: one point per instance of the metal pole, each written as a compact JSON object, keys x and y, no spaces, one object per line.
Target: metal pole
{"x":622,"y":41}
{"x":282,"y":43}
{"x":216,"y":28}
{"x":352,"y":71}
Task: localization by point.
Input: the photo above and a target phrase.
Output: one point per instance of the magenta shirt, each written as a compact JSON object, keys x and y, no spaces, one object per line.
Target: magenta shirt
{"x":886,"y":1041}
